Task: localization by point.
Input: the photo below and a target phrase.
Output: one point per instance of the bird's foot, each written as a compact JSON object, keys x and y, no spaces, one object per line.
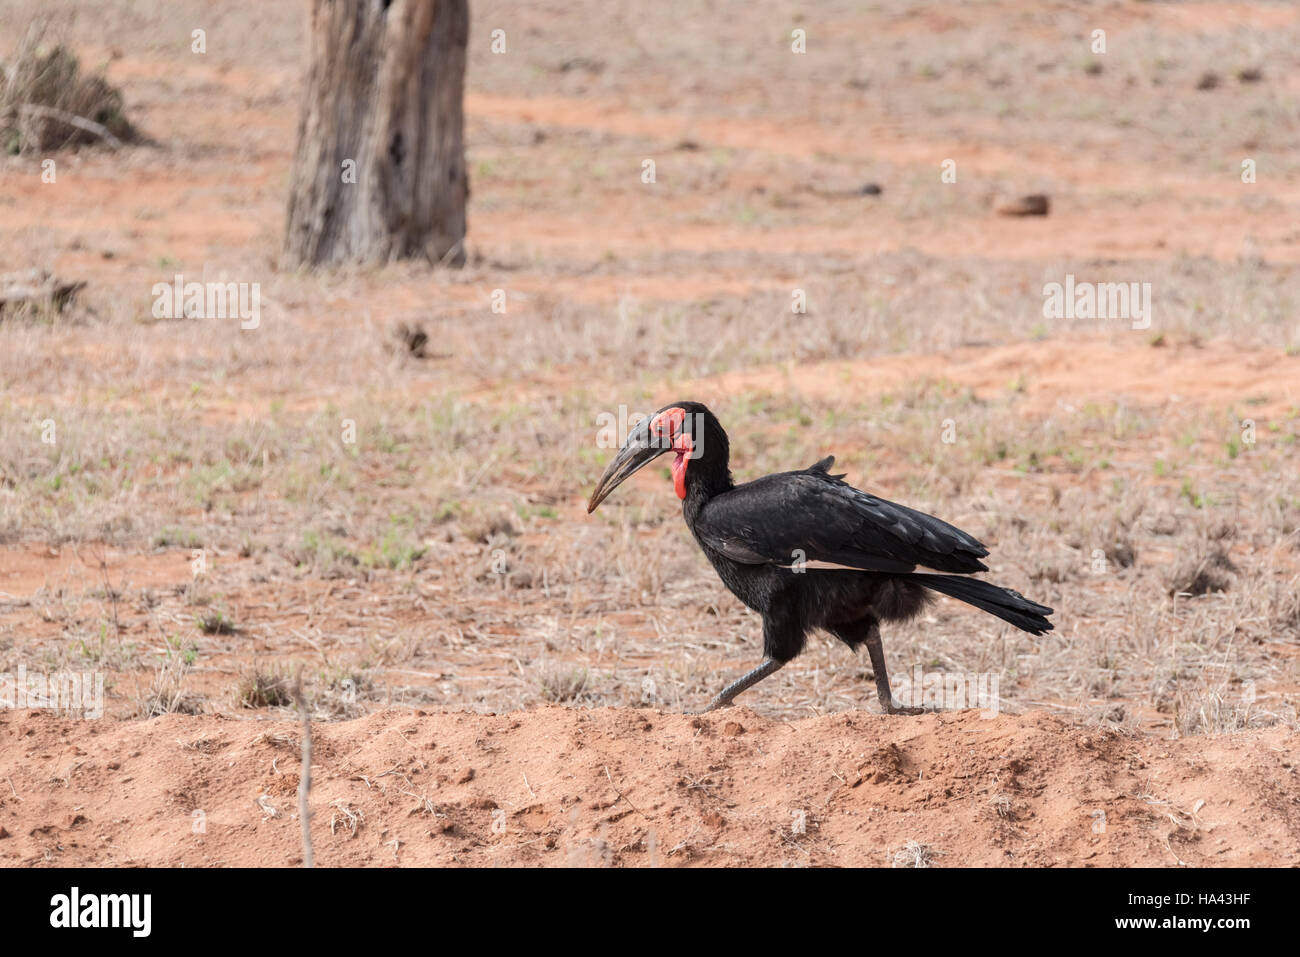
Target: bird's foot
{"x":712,"y":706}
{"x":898,"y":709}
{"x":724,"y":697}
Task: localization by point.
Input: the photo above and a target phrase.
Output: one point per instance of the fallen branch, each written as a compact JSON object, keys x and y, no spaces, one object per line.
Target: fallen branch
{"x":304,"y":779}
{"x":71,"y":119}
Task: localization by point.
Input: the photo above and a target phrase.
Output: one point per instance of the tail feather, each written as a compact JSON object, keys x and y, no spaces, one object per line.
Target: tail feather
{"x":1010,"y":606}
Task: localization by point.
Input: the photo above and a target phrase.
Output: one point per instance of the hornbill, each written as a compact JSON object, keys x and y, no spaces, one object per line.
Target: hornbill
{"x":761,"y":536}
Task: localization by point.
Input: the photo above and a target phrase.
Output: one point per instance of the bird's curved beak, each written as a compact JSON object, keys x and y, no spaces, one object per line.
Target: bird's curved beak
{"x":637,"y":452}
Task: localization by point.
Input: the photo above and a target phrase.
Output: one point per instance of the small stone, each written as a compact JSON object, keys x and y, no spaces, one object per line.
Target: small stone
{"x":1035,"y":204}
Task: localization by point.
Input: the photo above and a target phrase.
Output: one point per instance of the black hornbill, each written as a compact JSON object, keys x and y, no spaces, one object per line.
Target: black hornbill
{"x":760,"y":537}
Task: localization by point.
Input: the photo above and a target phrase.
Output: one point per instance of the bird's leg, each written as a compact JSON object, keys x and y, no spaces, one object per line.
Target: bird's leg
{"x":877,"y":653}
{"x":743,"y":683}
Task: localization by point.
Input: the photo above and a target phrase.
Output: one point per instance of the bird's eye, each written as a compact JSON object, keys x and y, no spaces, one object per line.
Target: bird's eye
{"x":667,"y":425}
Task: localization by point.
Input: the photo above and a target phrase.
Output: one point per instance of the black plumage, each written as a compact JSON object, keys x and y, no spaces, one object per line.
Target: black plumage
{"x":762,"y":536}
{"x":823,"y":518}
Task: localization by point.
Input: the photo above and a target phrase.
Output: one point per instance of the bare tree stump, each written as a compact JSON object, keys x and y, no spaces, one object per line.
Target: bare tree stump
{"x":379,"y":171}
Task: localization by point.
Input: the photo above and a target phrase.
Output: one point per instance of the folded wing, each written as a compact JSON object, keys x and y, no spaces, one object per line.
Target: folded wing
{"x":814,"y":516}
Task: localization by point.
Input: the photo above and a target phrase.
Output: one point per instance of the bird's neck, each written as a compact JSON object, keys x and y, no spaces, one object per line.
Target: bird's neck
{"x":705,"y":478}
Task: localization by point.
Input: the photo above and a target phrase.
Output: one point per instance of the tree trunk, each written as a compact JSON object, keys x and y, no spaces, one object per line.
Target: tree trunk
{"x":379,"y":172}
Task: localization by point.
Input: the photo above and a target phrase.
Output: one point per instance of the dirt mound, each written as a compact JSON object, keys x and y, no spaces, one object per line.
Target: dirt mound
{"x":635,"y":788}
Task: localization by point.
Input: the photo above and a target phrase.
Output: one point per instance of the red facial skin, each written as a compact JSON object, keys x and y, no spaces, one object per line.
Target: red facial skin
{"x":668,"y":424}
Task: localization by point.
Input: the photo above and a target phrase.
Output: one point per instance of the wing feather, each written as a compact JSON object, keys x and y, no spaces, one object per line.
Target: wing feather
{"x":817,"y":517}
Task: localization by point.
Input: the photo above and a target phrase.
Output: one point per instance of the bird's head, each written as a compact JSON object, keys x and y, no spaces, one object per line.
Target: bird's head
{"x":687,"y":429}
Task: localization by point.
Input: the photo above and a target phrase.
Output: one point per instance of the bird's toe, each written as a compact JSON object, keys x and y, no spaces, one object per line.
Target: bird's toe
{"x":895,"y":709}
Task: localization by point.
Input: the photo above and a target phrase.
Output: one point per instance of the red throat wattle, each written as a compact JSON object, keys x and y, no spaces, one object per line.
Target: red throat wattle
{"x":684,"y":447}
{"x":669,"y":425}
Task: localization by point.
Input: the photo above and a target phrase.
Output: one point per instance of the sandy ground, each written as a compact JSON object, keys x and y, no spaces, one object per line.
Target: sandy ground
{"x":557,"y":786}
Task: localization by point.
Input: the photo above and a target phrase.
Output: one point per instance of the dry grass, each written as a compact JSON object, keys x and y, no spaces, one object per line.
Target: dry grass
{"x":443,"y":559}
{"x":915,"y":854}
{"x":561,"y":685}
{"x":168,"y":694}
{"x":47,"y":103}
{"x":576,"y":597}
{"x":1207,"y":570}
{"x":258,"y":689}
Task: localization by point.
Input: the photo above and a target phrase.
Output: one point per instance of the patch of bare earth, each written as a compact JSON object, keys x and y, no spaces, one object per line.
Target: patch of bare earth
{"x":557,"y":786}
